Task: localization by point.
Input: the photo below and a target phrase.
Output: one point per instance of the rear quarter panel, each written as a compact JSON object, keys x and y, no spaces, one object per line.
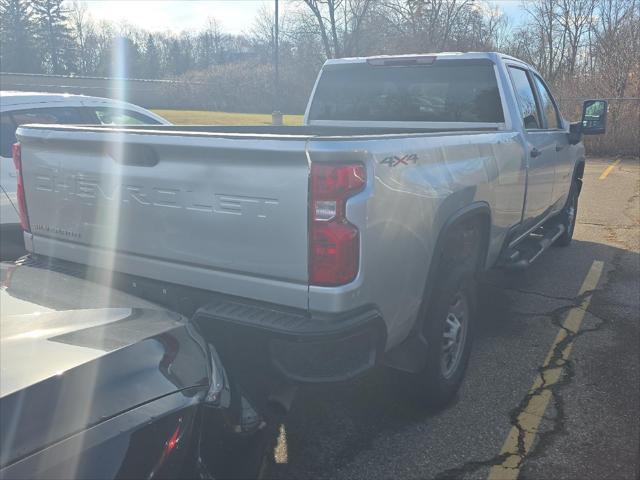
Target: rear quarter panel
{"x":415,"y":184}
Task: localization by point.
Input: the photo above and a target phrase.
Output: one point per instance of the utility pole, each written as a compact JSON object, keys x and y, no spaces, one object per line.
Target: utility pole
{"x":276,"y":116}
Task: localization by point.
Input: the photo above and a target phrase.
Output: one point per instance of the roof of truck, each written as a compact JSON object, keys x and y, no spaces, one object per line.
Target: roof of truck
{"x":461,"y":55}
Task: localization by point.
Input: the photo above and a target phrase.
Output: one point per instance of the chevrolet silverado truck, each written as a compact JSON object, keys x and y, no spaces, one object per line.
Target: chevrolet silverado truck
{"x":353,"y":239}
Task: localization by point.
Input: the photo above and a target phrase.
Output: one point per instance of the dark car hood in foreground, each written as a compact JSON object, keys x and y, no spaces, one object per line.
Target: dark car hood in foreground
{"x":65,"y":367}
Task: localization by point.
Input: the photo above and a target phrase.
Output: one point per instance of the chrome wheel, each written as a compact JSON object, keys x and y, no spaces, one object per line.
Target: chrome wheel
{"x":454,"y":335}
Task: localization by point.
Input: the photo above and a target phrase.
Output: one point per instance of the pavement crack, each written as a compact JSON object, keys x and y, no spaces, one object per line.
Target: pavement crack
{"x":555,"y":312}
{"x":631,"y":208}
{"x":556,"y":361}
{"x":471,"y":467}
{"x":606,"y":225}
{"x":530,"y":292}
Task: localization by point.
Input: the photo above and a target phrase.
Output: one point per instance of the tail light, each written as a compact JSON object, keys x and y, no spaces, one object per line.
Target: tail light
{"x":334,"y":243}
{"x":22,"y":204}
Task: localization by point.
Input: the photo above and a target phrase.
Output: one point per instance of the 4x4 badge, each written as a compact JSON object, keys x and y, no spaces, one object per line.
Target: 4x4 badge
{"x":394,"y":161}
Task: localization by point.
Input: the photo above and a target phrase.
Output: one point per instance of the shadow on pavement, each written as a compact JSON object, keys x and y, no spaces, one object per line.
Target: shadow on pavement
{"x":329,"y":425}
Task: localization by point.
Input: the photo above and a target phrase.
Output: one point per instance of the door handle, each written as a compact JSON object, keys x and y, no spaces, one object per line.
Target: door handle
{"x":559,"y":147}
{"x":535,"y":152}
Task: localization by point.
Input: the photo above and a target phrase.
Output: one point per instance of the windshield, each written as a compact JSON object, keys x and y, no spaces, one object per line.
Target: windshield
{"x":447,"y":91}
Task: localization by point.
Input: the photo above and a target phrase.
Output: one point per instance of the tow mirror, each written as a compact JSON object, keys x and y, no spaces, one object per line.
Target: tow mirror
{"x":594,"y":117}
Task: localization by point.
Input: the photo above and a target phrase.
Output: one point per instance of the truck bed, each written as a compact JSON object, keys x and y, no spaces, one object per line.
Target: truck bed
{"x":282,"y":132}
{"x":222,"y":214}
{"x":223,"y":209}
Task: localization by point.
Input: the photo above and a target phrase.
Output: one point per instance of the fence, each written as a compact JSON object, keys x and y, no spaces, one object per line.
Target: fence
{"x":146,"y":93}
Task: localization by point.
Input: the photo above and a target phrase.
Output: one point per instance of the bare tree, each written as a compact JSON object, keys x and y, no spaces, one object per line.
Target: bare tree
{"x":211,"y":44}
{"x":544,"y":21}
{"x":54,"y":35}
{"x":339,"y":23}
{"x":435,"y":24}
{"x":316,"y":8}
{"x":576,"y":19}
{"x":617,"y":40}
{"x":83,"y":33}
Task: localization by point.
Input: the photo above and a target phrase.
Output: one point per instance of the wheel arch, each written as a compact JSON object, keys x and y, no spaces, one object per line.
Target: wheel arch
{"x":579,"y":168}
{"x":478,"y":213}
{"x":410,"y":355}
{"x":578,"y":173}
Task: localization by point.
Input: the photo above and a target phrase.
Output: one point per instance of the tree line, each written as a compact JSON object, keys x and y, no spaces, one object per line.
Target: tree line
{"x":582,"y":47}
{"x":60,"y":37}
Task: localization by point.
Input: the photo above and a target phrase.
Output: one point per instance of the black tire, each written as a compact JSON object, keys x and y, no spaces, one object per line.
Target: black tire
{"x":437,"y":382}
{"x":569,"y":215}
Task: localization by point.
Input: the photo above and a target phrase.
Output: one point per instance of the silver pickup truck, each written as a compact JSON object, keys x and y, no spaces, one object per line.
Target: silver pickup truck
{"x":353,"y":239}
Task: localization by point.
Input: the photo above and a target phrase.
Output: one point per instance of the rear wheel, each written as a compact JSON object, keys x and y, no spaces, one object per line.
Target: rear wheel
{"x":568,"y":216}
{"x":449,"y":329}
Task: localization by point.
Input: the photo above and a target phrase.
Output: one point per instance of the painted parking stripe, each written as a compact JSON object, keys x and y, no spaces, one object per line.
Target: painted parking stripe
{"x":522,"y":435}
{"x":608,"y":170}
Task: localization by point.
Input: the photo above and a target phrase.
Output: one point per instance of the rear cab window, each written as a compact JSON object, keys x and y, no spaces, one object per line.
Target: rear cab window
{"x":444,"y":91}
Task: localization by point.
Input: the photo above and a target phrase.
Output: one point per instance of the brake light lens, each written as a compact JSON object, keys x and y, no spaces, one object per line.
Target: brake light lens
{"x":22,"y":204}
{"x":334,"y":243}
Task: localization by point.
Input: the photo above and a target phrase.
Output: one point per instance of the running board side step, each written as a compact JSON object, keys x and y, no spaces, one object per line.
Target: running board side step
{"x":528,"y":251}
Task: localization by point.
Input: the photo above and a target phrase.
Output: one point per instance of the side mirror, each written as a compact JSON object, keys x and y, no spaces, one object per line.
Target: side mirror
{"x":594,"y":117}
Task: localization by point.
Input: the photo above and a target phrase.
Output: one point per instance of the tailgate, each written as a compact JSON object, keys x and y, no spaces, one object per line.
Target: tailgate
{"x":226,"y":213}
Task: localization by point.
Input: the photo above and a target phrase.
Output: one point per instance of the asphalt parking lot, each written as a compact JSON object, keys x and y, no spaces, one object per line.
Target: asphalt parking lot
{"x":553,"y":386}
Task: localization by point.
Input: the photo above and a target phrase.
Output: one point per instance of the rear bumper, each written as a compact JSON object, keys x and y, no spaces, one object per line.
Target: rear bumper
{"x":303,"y":347}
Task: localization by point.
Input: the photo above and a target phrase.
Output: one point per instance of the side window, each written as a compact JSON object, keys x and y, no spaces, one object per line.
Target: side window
{"x":7,"y":135}
{"x":526,"y":98}
{"x":547,"y":104}
{"x":116,"y":116}
{"x":58,"y":115}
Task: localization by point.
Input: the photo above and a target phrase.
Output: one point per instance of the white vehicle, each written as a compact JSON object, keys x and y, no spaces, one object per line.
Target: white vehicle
{"x":18,"y":108}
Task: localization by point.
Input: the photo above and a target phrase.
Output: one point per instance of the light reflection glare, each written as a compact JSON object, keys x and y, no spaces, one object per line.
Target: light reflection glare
{"x":107,"y":214}
{"x":281,"y":452}
{"x":37,"y":333}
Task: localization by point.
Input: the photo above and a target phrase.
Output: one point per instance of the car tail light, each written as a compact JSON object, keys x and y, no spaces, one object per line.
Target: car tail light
{"x":334,"y":243}
{"x":22,"y":204}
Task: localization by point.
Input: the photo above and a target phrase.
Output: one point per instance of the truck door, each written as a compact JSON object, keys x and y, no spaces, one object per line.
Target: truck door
{"x":540,"y":148}
{"x":563,"y":160}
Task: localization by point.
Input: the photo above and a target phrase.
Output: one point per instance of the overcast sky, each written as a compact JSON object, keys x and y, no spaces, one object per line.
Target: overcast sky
{"x":235,"y":16}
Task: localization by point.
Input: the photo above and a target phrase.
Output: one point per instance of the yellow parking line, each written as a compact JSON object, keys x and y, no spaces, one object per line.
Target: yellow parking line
{"x":529,"y":419}
{"x":607,"y":170}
